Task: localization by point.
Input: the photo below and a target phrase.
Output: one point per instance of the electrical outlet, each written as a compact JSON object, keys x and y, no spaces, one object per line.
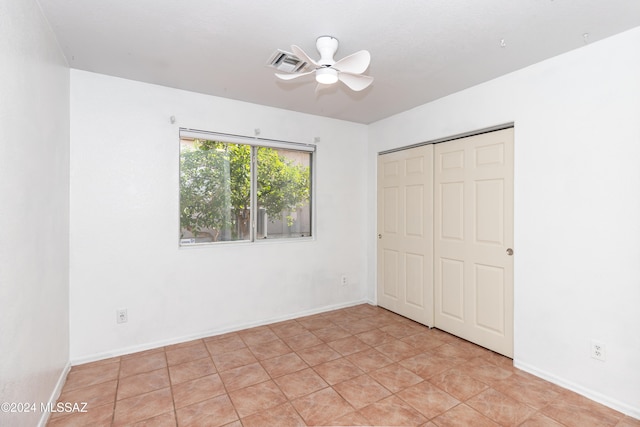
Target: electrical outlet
{"x":598,"y":351}
{"x":121,"y":316}
{"x":344,"y":280}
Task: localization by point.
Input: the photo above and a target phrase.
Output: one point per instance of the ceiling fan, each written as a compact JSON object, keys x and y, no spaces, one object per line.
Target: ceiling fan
{"x":327,"y":71}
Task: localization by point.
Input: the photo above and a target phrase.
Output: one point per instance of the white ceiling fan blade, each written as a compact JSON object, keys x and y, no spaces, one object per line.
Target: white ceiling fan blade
{"x":293,"y":75}
{"x":356,"y":63}
{"x":355,"y":82}
{"x":303,"y":56}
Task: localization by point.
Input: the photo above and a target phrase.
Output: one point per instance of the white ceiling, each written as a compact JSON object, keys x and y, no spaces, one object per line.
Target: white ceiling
{"x":421,"y":49}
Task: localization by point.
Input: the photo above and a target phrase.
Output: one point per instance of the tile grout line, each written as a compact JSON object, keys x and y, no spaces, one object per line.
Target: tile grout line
{"x":115,"y":397}
{"x":173,"y":400}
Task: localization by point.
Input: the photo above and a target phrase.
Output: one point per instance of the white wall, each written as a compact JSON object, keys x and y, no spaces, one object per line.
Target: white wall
{"x":34,"y":210}
{"x":124,"y":221}
{"x":577,"y":207}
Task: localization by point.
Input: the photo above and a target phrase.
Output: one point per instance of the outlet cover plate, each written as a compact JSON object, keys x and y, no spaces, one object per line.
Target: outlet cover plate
{"x":598,"y":350}
{"x":122,"y":316}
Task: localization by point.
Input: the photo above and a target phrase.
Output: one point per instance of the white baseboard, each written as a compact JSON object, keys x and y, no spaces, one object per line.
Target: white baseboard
{"x":210,"y":333}
{"x":590,"y":394}
{"x":55,"y":394}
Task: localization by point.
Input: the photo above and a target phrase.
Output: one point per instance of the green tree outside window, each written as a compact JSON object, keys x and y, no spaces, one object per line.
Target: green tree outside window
{"x":215,"y":188}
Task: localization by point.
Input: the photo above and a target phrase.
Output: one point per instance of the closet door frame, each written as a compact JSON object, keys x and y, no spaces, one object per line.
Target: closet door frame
{"x":496,"y":330}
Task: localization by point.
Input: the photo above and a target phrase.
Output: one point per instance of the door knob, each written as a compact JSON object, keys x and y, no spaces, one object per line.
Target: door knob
{"x":509,"y":251}
{"x":379,"y":236}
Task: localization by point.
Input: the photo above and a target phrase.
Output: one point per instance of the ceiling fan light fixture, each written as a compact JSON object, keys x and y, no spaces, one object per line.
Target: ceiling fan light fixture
{"x":326,"y":76}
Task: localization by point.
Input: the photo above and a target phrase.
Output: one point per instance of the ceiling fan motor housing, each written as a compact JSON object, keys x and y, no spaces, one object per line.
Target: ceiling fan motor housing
{"x":327,"y":46}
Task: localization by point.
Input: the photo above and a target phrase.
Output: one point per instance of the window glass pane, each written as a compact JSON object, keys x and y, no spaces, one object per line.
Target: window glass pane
{"x":283,"y":193}
{"x":215,"y":191}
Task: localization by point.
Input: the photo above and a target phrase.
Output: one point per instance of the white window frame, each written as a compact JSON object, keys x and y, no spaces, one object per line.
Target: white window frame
{"x":254,"y":143}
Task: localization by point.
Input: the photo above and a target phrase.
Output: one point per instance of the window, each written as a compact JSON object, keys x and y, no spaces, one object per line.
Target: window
{"x":242,"y":189}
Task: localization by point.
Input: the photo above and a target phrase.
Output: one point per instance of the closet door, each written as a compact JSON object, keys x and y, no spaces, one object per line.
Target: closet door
{"x":405,"y":233}
{"x":473,"y":239}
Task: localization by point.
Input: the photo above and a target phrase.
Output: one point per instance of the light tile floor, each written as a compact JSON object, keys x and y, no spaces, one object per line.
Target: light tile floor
{"x":358,"y":366}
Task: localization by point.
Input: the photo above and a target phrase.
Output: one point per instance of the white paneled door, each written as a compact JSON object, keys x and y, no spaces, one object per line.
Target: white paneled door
{"x":474,"y":238}
{"x":445,"y":224}
{"x":405,"y":233}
